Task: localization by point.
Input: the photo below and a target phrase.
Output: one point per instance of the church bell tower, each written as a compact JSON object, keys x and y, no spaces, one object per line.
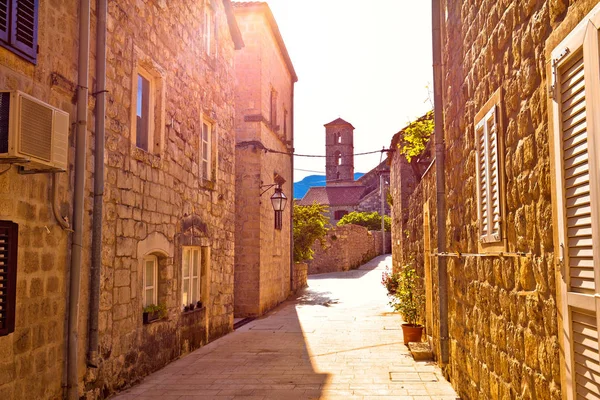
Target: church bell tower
{"x":339,"y":151}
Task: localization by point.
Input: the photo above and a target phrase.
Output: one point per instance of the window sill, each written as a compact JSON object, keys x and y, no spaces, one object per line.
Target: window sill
{"x":150,"y":322}
{"x":154,"y":160}
{"x":195,"y":310}
{"x":206,"y":184}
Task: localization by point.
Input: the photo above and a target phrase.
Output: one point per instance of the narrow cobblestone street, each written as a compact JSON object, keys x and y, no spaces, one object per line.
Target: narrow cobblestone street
{"x":337,"y":340}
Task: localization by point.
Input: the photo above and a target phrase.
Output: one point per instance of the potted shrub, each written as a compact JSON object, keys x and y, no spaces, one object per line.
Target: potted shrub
{"x":198,"y":304}
{"x":154,"y":312}
{"x":192,"y":306}
{"x":408,"y":300}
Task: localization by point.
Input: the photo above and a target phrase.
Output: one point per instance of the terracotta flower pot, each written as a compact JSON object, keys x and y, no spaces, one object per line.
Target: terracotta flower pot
{"x":412,"y":333}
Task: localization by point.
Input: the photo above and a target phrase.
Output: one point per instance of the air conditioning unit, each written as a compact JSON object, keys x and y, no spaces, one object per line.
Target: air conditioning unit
{"x":32,"y":133}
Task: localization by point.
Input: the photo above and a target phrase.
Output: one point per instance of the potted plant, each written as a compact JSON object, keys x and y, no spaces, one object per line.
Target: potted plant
{"x":198,"y":304}
{"x":408,"y":300}
{"x":154,"y":312}
{"x":192,"y":306}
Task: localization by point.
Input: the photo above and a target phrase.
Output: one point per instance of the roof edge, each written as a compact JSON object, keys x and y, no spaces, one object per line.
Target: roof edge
{"x":264,"y":7}
{"x":234,"y":29}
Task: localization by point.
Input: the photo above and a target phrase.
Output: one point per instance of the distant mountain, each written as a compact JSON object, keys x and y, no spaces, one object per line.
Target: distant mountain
{"x":301,"y":187}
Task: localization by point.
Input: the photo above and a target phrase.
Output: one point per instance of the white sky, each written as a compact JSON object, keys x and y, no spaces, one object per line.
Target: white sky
{"x":366,"y":61}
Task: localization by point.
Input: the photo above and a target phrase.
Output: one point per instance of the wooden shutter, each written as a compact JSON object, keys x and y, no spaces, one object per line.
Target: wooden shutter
{"x":576,"y":176}
{"x":586,"y":374}
{"x":9,"y":234}
{"x":575,"y":113}
{"x":4,"y":19}
{"x":24,"y":27}
{"x":488,"y":178}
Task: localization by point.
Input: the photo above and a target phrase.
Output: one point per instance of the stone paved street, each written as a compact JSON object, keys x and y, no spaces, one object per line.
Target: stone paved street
{"x":337,"y":340}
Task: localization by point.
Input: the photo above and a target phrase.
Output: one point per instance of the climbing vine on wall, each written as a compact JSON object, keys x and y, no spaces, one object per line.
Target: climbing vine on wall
{"x":416,"y":136}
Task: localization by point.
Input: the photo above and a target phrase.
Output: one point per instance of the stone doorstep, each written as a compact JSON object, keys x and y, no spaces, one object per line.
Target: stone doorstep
{"x":421,"y":351}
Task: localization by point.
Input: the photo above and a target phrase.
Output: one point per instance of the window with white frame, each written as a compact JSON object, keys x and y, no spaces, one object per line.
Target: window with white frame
{"x":488,"y":159}
{"x":191,"y":275}
{"x":150,"y":292}
{"x":206,"y":151}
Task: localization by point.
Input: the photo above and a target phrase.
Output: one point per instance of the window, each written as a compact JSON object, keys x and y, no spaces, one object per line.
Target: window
{"x":285,"y":117}
{"x":19,"y":27}
{"x":142,"y":133}
{"x":338,"y":158}
{"x":488,"y":159}
{"x":9,"y":234}
{"x":207,"y":152}
{"x":150,"y":280}
{"x":274,"y":125}
{"x":190,"y":276}
{"x":338,"y":138}
{"x":210,"y":32}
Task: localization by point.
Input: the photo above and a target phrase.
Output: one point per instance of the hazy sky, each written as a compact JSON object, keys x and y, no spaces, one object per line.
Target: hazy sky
{"x":366,"y":61}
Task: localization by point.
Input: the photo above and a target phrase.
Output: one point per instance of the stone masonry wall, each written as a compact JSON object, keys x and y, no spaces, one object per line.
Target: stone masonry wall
{"x":32,"y":357}
{"x":156,"y":201}
{"x":502,"y":310}
{"x":262,"y":263}
{"x":346,"y":247}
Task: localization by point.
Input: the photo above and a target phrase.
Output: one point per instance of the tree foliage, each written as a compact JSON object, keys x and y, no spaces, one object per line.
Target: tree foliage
{"x":416,"y":136}
{"x":371,"y":221}
{"x":309,"y":225}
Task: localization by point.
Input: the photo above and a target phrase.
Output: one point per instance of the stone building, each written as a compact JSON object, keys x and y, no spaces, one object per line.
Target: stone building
{"x":264,"y":127}
{"x":341,"y":193}
{"x":521,"y":193}
{"x":166,"y":235}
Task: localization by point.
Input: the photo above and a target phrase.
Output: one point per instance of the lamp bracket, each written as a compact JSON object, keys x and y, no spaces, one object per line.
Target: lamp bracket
{"x":267,"y":187}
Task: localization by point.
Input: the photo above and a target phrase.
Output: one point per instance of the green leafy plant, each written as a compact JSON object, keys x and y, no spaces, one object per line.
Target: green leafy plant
{"x":160,"y":308}
{"x":415,"y":136}
{"x":309,"y":225}
{"x":371,"y":221}
{"x":409,"y":297}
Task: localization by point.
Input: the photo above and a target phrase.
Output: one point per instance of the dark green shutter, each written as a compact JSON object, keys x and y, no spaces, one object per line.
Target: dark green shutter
{"x":9,"y":235}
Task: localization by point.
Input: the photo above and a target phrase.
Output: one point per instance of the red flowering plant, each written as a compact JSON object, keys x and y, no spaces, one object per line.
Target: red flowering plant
{"x":390,"y":281}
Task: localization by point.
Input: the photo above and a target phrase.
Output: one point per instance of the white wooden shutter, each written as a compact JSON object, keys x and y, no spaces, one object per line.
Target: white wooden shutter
{"x":488,"y":178}
{"x":576,"y":176}
{"x":575,"y":119}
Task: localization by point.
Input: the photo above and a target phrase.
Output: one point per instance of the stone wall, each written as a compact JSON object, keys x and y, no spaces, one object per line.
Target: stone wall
{"x":346,"y":247}
{"x":155,"y":201}
{"x":263,"y":258}
{"x":503,"y":318}
{"x":300,"y":276}
{"x":32,"y":357}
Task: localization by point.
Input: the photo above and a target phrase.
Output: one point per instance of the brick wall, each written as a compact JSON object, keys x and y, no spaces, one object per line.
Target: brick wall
{"x":346,"y":247}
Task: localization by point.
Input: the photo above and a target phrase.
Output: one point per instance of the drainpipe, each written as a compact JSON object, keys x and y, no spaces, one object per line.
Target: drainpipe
{"x":440,"y":179}
{"x":98,"y":183}
{"x":78,"y":197}
{"x":292,"y":194}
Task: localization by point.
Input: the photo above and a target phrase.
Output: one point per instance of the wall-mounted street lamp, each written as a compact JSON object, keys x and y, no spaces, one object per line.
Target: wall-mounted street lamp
{"x":278,"y":201}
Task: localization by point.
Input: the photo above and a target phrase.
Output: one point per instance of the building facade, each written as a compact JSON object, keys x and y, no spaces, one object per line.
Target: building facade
{"x":264,"y":127}
{"x":521,"y":193}
{"x":167,"y":199}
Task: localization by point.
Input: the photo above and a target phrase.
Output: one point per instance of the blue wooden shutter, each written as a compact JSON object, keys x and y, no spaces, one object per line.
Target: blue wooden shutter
{"x":24,"y":27}
{"x":9,"y":234}
{"x":4,"y":18}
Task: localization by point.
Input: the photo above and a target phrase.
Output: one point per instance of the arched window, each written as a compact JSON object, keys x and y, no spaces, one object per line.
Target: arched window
{"x":338,"y":157}
{"x":338,"y":137}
